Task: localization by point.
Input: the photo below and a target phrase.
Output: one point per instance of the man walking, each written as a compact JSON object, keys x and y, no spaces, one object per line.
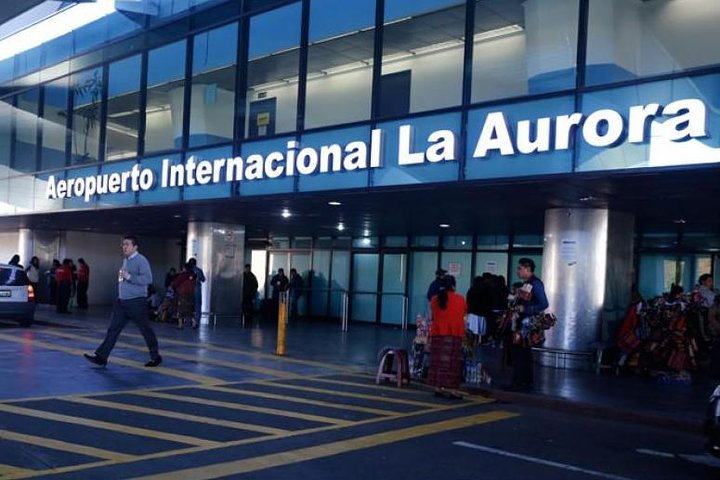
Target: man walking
{"x":131,"y":305}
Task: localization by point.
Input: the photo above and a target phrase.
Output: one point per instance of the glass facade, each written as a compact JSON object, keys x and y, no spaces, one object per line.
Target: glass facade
{"x":415,"y":83}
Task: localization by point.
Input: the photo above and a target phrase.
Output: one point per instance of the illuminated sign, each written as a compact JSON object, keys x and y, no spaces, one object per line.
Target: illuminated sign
{"x":677,"y":121}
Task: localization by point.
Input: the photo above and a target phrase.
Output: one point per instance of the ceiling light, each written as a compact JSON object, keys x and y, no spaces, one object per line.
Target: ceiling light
{"x":365,"y":241}
{"x":341,"y":227}
{"x":679,"y":221}
{"x":444,"y":225}
{"x":286,"y":213}
{"x":366,"y":233}
{"x":55,"y":26}
{"x":177,"y":215}
{"x":586,"y":198}
{"x":334,"y":203}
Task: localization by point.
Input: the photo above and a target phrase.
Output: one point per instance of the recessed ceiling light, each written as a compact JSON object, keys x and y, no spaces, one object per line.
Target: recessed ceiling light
{"x":587,"y":198}
{"x":177,"y":216}
{"x":334,"y":203}
{"x":366,"y":241}
{"x":341,"y":227}
{"x":444,"y":225}
{"x":286,"y":213}
{"x":679,"y":221}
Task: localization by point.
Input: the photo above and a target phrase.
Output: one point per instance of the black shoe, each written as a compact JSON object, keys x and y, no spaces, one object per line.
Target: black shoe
{"x":96,"y":359}
{"x":154,"y":362}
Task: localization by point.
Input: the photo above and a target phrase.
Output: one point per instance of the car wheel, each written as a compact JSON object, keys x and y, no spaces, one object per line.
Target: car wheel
{"x":26,"y":321}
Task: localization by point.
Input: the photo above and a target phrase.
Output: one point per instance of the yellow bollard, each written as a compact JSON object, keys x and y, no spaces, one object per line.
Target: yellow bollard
{"x":282,"y":324}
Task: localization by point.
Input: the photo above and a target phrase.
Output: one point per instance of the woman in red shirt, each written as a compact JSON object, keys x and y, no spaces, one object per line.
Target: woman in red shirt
{"x":447,"y":332}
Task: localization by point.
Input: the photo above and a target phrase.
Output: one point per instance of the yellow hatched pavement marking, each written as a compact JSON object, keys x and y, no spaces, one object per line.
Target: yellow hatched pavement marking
{"x":10,"y":470}
{"x":177,"y":415}
{"x":305,"y":401}
{"x":373,"y":386}
{"x":250,"y":353}
{"x":86,"y":422}
{"x":236,"y":443}
{"x":361,"y":396}
{"x":265,"y":462}
{"x":201,"y":379}
{"x":248,"y":408}
{"x":64,"y":446}
{"x":192,"y":358}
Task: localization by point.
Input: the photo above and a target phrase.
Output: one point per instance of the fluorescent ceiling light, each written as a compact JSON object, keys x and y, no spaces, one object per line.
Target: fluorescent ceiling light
{"x":498,"y":32}
{"x":55,"y":26}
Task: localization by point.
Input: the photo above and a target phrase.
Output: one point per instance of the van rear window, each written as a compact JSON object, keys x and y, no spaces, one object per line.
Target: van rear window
{"x":12,"y":276}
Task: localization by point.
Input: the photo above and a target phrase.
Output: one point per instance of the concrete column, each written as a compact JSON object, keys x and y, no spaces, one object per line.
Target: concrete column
{"x":220,"y":252}
{"x":25,"y":245}
{"x":587,"y":271}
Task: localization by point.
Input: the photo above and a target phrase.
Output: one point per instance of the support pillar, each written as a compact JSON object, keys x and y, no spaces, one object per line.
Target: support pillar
{"x":25,"y":245}
{"x":220,"y":250}
{"x":587,"y":271}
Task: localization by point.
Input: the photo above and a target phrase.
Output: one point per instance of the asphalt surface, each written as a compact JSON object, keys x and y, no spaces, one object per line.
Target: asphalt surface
{"x":222,"y":406}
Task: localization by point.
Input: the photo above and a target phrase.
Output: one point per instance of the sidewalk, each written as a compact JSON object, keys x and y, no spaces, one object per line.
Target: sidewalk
{"x":626,"y":397}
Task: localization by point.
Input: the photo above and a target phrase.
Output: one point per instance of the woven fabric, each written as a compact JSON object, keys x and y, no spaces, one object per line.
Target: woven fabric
{"x":446,"y":362}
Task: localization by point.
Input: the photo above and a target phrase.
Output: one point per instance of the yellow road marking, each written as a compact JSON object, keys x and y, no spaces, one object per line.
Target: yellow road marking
{"x":177,"y":415}
{"x":10,"y":470}
{"x":423,"y":388}
{"x":192,"y":358}
{"x":304,"y":401}
{"x":361,"y":396}
{"x":202,"y":379}
{"x":247,"y":441}
{"x":86,"y":422}
{"x":254,"y":354}
{"x":248,"y":408}
{"x":273,"y":460}
{"x":64,"y":446}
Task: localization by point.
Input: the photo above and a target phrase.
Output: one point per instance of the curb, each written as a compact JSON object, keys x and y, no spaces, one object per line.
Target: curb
{"x":592,"y":410}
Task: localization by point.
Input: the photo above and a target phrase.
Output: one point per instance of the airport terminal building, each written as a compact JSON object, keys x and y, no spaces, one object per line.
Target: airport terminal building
{"x":367,"y":143}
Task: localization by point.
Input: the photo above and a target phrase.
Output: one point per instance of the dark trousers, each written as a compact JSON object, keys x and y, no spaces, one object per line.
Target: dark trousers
{"x":248,"y":307}
{"x":522,"y":361}
{"x":136,"y":311}
{"x":63,"y":296}
{"x":82,"y":299}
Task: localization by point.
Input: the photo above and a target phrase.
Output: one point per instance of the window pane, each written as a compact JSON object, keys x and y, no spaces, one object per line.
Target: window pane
{"x":627,"y":40}
{"x":54,"y":124}
{"x":340,"y":52}
{"x":212,"y":109}
{"x":123,"y":115}
{"x":6,"y":110}
{"x":26,"y":125}
{"x":165,"y":97}
{"x":273,"y":65}
{"x":422,"y":56}
{"x":523,"y":47}
{"x":87,"y":111}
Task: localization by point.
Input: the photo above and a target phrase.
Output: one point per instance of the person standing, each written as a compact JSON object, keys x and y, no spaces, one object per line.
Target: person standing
{"x":131,"y":305}
{"x":279,"y":283}
{"x":250,"y":288}
{"x":530,"y":300}
{"x":707,"y":290}
{"x":199,"y":280}
{"x":15,"y":260}
{"x":52,"y":282}
{"x":446,"y":339}
{"x":33,"y":274}
{"x":184,"y":287}
{"x":295,"y":286}
{"x":63,"y":281}
{"x":83,"y":282}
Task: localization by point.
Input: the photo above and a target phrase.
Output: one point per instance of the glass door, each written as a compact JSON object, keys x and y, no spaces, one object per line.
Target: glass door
{"x":393,"y":288}
{"x":363,"y":304}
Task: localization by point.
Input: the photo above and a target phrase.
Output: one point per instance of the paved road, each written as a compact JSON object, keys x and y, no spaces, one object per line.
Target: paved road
{"x":220,"y":412}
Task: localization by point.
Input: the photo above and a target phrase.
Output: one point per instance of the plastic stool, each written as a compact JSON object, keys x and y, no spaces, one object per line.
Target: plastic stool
{"x":394,"y":365}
